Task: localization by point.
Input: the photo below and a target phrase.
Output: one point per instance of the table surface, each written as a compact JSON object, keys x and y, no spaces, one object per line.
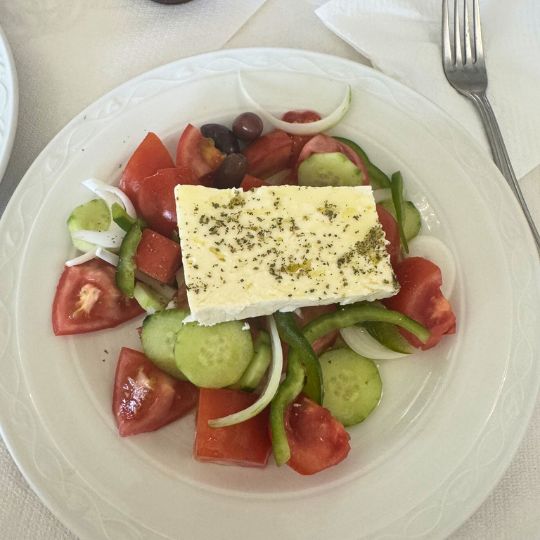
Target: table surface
{"x":513,"y":509}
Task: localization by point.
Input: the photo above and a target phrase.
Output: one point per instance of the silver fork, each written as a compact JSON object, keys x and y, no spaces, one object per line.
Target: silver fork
{"x":465,"y":69}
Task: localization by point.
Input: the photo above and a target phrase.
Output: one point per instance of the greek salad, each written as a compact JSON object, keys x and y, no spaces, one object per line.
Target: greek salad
{"x":289,"y":383}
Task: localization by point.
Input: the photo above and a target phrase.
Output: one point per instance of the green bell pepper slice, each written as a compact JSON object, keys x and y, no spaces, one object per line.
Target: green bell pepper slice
{"x":125,"y":271}
{"x":353,"y":314}
{"x":294,"y":337}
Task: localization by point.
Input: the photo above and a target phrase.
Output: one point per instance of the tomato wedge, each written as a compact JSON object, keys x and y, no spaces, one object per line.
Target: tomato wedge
{"x":316,"y":439}
{"x":391,"y":231}
{"x":150,"y":156}
{"x":87,"y":299}
{"x":246,"y":444}
{"x":420,"y":298}
{"x":156,"y":198}
{"x":269,"y":154}
{"x":299,"y":141}
{"x":301,"y":117}
{"x":157,"y":256}
{"x":145,"y":398}
{"x":197,"y":153}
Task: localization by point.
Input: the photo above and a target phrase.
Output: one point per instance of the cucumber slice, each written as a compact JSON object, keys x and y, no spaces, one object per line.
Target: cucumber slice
{"x":412,"y":222}
{"x":91,"y":216}
{"x":213,"y":356}
{"x":258,"y":366}
{"x":329,"y":169}
{"x":352,"y":385}
{"x":149,"y":299}
{"x":377,"y":178}
{"x":389,"y":335}
{"x":158,"y":337}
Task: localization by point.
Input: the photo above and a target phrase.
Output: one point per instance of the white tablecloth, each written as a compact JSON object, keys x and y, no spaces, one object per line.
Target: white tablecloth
{"x":49,"y":97}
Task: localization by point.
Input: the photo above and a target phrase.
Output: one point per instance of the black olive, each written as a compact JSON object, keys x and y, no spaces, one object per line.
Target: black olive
{"x":231,"y":171}
{"x":247,"y":126}
{"x":222,"y":136}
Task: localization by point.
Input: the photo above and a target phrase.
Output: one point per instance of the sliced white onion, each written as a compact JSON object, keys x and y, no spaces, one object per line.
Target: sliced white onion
{"x":382,"y":194}
{"x":269,"y":391}
{"x":364,"y":344}
{"x":107,"y":256}
{"x":436,"y":251}
{"x":309,"y":128}
{"x":85,"y":257}
{"x":105,"y":239}
{"x":110,"y":194}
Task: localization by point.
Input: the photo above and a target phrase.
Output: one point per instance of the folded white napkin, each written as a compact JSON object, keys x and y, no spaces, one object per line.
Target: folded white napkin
{"x":403,"y":39}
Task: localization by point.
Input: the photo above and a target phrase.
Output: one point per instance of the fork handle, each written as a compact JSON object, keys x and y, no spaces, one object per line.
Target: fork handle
{"x":500,"y":156}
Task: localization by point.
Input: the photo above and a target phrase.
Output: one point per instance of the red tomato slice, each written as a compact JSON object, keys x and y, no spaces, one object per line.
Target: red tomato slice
{"x":157,"y":256}
{"x":420,"y":298}
{"x":87,"y":299}
{"x":321,"y":144}
{"x":299,"y":141}
{"x":316,"y":439}
{"x":148,"y":157}
{"x":269,"y":154}
{"x":197,"y":153}
{"x":391,"y":231}
{"x":313,"y":312}
{"x":145,"y":398}
{"x":157,"y":205}
{"x":246,"y":444}
{"x":250,"y":182}
{"x":301,"y":117}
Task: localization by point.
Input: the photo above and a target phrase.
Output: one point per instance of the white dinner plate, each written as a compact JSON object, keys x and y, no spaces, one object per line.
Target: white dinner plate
{"x":9,"y":99}
{"x":450,"y":418}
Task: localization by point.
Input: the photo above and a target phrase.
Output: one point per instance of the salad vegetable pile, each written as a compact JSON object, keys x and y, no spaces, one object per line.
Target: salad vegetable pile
{"x":287,"y":383}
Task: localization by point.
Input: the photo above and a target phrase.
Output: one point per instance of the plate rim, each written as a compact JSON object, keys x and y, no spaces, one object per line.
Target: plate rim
{"x":10,"y":115}
{"x":513,"y":444}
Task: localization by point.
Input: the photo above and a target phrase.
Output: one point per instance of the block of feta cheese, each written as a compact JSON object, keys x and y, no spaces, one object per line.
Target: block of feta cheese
{"x":274,"y":248}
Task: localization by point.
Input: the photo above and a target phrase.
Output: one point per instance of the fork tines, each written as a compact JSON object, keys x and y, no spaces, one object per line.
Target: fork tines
{"x":471,"y":51}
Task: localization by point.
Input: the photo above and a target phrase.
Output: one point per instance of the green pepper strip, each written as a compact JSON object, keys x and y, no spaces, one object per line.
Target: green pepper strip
{"x":287,"y":392}
{"x":294,"y":337}
{"x":357,"y":313}
{"x":397,"y":199}
{"x":123,"y":219}
{"x":301,"y":360}
{"x":377,"y":178}
{"x":125,"y":272}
